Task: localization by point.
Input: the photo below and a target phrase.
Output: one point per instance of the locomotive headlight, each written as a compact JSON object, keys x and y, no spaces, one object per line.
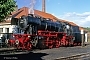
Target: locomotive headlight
{"x":67,"y":26}
{"x":13,"y":36}
{"x":17,"y":41}
{"x":28,"y":36}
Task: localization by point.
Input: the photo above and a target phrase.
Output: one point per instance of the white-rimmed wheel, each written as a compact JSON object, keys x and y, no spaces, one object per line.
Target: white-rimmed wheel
{"x":17,"y":42}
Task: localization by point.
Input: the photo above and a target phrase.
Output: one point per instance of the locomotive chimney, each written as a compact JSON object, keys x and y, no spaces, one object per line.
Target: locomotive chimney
{"x":43,"y":5}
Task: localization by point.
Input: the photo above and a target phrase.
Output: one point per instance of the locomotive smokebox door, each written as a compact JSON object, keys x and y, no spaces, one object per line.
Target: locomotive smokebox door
{"x":23,"y":22}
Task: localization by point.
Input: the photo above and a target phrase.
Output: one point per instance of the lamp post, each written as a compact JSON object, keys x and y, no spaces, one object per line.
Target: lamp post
{"x":82,"y":37}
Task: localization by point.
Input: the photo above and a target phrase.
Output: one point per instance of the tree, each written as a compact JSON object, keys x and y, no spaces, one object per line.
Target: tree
{"x":6,"y":7}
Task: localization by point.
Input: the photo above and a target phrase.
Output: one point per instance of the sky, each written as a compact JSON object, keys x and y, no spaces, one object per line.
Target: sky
{"x":77,"y":11}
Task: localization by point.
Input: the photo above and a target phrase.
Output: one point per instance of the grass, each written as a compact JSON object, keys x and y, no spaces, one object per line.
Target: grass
{"x":87,"y":28}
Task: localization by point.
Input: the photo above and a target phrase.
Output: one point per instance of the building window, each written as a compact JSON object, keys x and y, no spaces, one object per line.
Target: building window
{"x":7,"y":30}
{"x":1,"y":30}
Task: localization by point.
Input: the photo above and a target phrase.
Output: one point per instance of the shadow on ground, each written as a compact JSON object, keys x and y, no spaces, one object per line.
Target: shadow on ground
{"x":29,"y":56}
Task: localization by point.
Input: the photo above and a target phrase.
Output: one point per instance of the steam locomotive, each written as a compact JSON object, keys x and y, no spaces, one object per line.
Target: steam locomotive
{"x":43,"y":33}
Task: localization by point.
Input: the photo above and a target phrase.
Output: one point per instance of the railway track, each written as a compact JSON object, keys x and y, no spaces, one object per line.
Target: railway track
{"x":11,"y":51}
{"x":83,"y":56}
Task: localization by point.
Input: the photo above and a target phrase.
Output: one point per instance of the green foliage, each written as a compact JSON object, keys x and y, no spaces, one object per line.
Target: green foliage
{"x":6,"y":7}
{"x":87,"y":28}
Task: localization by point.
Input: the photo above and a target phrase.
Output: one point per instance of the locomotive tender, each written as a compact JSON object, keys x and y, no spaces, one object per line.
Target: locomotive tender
{"x":43,"y":33}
